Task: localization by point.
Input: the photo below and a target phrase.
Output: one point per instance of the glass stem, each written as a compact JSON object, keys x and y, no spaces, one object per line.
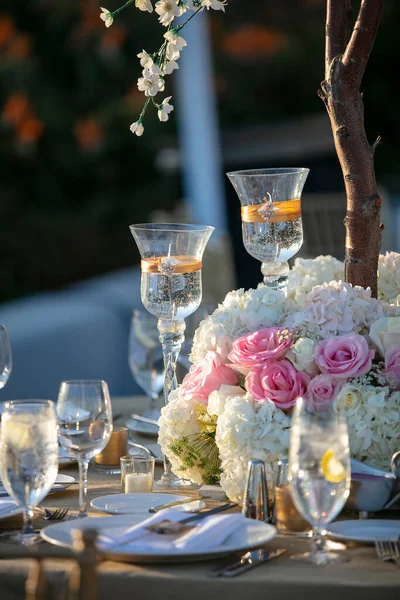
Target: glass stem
{"x":318,"y":545}
{"x":171,"y":338}
{"x":27,"y":528}
{"x":276,"y":274}
{"x":83,"y":473}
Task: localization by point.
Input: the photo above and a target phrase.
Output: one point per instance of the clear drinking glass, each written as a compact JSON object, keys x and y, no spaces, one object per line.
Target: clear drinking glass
{"x":171,"y":290}
{"x":272,"y":228}
{"x":28,"y":457}
{"x":146,"y":358}
{"x":5,"y":356}
{"x":85,"y":425}
{"x":319,"y":472}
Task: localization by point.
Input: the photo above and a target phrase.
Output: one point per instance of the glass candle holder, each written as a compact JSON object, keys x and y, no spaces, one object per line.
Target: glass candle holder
{"x":108,"y":461}
{"x":272,"y":227}
{"x":137,"y":474}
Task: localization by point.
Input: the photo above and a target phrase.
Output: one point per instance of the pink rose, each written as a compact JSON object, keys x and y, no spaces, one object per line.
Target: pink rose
{"x":322,"y":389}
{"x":279,"y":381}
{"x":207,"y":376}
{"x":261,"y":346}
{"x":392,"y":366}
{"x":344,"y":356}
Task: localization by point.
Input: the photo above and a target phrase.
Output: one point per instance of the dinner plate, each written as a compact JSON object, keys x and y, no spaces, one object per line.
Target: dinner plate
{"x":128,"y":504}
{"x":141,"y":428}
{"x":61,"y":483}
{"x":364,"y":530}
{"x":253,"y":535}
{"x":11,"y":511}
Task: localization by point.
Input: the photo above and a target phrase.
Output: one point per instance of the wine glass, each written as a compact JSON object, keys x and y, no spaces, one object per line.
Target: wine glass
{"x":146,"y":358}
{"x":319,"y":471}
{"x":28,"y":457}
{"x":5,"y":356}
{"x":84,"y":424}
{"x":171,"y":290}
{"x":272,"y":228}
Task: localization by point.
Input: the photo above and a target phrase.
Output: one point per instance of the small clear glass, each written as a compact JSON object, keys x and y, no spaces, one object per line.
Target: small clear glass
{"x":28,"y":457}
{"x":319,"y":472}
{"x":137,"y":474}
{"x":272,"y":228}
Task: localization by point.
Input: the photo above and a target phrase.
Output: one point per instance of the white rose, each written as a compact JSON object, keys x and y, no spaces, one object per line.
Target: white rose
{"x":349,"y":399}
{"x":217,"y":400}
{"x":385,"y":332}
{"x":302,"y":355}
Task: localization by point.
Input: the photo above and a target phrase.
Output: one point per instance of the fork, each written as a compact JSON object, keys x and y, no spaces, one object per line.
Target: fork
{"x":166,"y":526}
{"x":388,"y":550}
{"x":55,"y":515}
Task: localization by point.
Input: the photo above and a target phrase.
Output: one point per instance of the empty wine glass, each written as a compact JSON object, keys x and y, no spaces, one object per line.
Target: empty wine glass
{"x":85,"y":425}
{"x":146,"y":358}
{"x":28,"y":457}
{"x":5,"y":356}
{"x":171,"y":290}
{"x":319,"y":472}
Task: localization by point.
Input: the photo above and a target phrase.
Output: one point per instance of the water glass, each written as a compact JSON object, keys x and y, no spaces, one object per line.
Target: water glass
{"x":146,"y":358}
{"x":319,"y":471}
{"x":137,"y":474}
{"x":28,"y":457}
{"x":85,"y":425}
{"x":5,"y":356}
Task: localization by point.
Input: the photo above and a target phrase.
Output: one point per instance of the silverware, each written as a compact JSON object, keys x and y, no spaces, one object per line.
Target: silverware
{"x":154,"y":509}
{"x":144,"y":419}
{"x":388,"y":550}
{"x":246,"y":562}
{"x":53,"y":515}
{"x":255,"y":502}
{"x":166,"y":526}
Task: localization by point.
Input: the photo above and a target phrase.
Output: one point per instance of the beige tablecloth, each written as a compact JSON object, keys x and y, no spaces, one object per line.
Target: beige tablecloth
{"x":362,"y":578}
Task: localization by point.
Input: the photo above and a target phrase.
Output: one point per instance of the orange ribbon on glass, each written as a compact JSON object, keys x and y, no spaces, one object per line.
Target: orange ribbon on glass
{"x":177,"y":264}
{"x":272,"y":212}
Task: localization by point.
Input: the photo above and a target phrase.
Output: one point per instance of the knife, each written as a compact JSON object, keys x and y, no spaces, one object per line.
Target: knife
{"x":246,"y":562}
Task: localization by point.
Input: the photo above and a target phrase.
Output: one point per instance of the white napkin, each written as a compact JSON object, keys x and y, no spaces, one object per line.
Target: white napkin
{"x":7,"y":506}
{"x":207,"y":534}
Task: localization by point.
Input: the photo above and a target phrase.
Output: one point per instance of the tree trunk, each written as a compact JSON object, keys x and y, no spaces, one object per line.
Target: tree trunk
{"x":346,"y":56}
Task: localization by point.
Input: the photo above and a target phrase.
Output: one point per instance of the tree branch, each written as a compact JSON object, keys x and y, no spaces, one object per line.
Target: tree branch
{"x":338,"y":13}
{"x":362,"y":39}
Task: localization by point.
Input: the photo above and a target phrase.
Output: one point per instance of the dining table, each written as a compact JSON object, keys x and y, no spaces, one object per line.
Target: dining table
{"x":362,"y":577}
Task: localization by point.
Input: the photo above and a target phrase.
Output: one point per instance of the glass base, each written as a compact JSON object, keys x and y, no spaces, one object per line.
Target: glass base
{"x":21,"y":539}
{"x":321,"y":558}
{"x":174,"y":483}
{"x":108,"y":469}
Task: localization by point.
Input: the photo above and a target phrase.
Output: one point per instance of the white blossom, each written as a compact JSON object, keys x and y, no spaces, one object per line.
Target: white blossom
{"x":137,"y":128}
{"x":151,"y":83}
{"x":175,"y":44}
{"x":146,"y":60}
{"x":164,"y":109}
{"x":169,"y":67}
{"x":215,"y":4}
{"x":389,"y":276}
{"x":107,"y":17}
{"x":168,"y":10}
{"x":144,"y":5}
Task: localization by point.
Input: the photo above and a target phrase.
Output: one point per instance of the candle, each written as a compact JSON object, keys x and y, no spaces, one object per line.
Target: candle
{"x":138,"y":483}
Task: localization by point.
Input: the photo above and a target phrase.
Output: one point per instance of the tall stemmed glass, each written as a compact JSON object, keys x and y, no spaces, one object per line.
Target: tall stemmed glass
{"x":85,"y":425}
{"x":319,"y":472}
{"x":171,"y":290}
{"x":146,"y":359}
{"x":272,"y":228}
{"x":28,"y":457}
{"x":5,"y":356}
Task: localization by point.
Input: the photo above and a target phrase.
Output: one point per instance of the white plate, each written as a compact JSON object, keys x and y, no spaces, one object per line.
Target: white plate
{"x":129,"y":504}
{"x":61,"y":483}
{"x":141,"y":428}
{"x":64,"y":458}
{"x":255,"y":534}
{"x":11,"y":511}
{"x":364,"y":530}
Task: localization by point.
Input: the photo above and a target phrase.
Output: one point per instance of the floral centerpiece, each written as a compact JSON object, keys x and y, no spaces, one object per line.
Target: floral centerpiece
{"x":260,"y":350}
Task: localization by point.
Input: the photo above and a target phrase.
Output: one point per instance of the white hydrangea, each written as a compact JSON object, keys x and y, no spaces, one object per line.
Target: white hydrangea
{"x":389,"y":276}
{"x":178,"y":419}
{"x":373,"y":417}
{"x":309,"y":272}
{"x":239,"y":313}
{"x":250,"y":430}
